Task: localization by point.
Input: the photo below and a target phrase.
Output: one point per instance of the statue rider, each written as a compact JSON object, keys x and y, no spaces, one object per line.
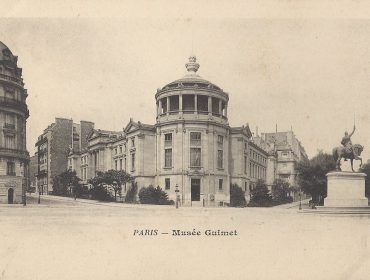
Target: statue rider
{"x":347,"y":143}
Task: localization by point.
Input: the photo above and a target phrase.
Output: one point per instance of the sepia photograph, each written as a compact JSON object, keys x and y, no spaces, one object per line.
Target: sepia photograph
{"x":184,"y":140}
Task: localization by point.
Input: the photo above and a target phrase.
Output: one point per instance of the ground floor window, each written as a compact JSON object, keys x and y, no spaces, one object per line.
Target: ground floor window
{"x":167,"y":183}
{"x":10,"y":168}
{"x":220,"y":184}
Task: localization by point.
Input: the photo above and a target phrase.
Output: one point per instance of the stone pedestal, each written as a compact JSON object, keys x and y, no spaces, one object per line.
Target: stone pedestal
{"x":346,"y":189}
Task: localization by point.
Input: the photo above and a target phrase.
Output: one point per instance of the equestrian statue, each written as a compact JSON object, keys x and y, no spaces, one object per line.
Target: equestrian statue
{"x":347,"y":150}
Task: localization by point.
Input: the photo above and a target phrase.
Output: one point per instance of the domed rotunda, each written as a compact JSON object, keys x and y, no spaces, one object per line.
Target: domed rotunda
{"x":192,"y":138}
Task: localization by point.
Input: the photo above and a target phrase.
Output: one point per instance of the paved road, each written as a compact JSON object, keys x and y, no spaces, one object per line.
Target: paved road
{"x":75,"y":240}
{"x":45,"y":200}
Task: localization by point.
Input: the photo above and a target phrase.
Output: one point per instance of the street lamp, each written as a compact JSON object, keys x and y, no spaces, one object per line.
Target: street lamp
{"x":300,"y":199}
{"x":24,"y":184}
{"x":177,"y":196}
{"x":39,"y":200}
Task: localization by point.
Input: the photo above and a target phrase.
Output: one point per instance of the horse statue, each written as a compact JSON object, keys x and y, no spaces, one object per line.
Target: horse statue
{"x":342,"y":152}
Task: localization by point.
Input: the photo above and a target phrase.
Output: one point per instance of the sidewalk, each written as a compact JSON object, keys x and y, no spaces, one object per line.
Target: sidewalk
{"x":98,"y":203}
{"x":294,"y":204}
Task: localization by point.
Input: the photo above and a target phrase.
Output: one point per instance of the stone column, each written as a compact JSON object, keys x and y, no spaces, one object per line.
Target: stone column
{"x":180,"y":105}
{"x":226,"y":110}
{"x":180,"y":102}
{"x":159,"y":107}
{"x":168,"y":104}
{"x":196,"y":103}
{"x":219,"y":106}
{"x":209,"y":104}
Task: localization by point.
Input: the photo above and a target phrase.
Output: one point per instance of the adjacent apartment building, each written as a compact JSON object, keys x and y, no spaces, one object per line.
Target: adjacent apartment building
{"x":289,"y":151}
{"x":53,"y":147}
{"x":14,"y":158}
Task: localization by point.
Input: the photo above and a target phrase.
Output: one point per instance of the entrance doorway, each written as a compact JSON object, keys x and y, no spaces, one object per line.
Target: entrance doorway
{"x":195,"y":190}
{"x":10,"y":196}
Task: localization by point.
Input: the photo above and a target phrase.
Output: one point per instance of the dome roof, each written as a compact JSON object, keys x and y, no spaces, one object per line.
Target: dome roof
{"x":3,"y":48}
{"x":192,"y":78}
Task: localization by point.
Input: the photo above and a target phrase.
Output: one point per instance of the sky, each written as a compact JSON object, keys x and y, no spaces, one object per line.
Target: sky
{"x":308,"y":74}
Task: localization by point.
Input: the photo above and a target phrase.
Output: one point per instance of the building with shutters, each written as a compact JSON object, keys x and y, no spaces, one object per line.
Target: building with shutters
{"x":14,"y":158}
{"x":53,"y":147}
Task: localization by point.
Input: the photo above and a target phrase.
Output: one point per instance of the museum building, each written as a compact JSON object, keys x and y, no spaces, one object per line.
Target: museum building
{"x":191,"y":147}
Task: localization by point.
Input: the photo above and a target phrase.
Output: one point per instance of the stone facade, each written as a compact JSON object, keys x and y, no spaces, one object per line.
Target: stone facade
{"x":191,"y":146}
{"x":14,"y":158}
{"x":346,"y":189}
{"x":288,"y":151}
{"x":33,"y":170}
{"x":54,"y":146}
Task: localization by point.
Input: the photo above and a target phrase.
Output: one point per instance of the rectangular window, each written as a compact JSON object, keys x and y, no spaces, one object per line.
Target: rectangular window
{"x":116,"y":164}
{"x":220,"y":182}
{"x":168,"y":158}
{"x":188,"y":102}
{"x":220,"y":159}
{"x":168,"y":140}
{"x":10,"y":168}
{"x":10,"y":142}
{"x":245,"y":186}
{"x":202,"y":103}
{"x":120,"y":149}
{"x":120,"y":164}
{"x":195,"y":138}
{"x":195,"y":157}
{"x":174,"y":103}
{"x":164,"y":105}
{"x":215,"y":106}
{"x":132,"y":142}
{"x":9,"y":119}
{"x":115,"y":151}
{"x":167,"y":183}
{"x":133,"y":162}
{"x":21,"y":169}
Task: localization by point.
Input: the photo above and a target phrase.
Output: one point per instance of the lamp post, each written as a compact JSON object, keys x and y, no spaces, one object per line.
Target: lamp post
{"x":39,"y":200}
{"x":300,"y":199}
{"x":177,"y":195}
